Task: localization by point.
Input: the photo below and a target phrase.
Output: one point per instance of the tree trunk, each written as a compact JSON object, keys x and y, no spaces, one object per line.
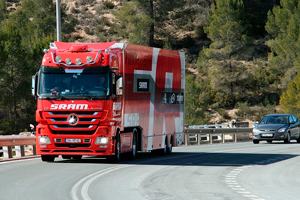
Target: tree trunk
{"x":151,"y":31}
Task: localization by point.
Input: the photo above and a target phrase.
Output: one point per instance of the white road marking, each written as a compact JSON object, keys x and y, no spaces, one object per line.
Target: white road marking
{"x":86,"y":181}
{"x":230,"y":178}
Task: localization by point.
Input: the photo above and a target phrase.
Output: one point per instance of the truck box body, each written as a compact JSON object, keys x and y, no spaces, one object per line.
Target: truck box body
{"x":140,"y":105}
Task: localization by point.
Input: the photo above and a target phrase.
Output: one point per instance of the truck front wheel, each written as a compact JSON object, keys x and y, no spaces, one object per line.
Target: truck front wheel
{"x":116,"y":158}
{"x":47,"y":158}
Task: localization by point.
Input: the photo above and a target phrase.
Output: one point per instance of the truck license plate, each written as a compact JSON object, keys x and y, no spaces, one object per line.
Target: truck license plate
{"x":68,"y":140}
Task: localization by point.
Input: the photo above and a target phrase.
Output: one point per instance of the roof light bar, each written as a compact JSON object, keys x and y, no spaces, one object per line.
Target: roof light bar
{"x":69,"y":61}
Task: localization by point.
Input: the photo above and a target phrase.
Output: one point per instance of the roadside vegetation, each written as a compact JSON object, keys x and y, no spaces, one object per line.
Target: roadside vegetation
{"x":241,"y":56}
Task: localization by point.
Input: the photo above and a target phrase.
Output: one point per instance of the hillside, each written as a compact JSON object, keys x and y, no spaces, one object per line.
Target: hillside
{"x":231,"y":71}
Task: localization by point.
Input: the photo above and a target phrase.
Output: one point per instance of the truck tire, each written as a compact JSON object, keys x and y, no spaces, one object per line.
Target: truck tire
{"x":116,"y":158}
{"x":170,"y":147}
{"x":132,"y":154}
{"x":164,"y":150}
{"x":77,"y":157}
{"x":47,"y":158}
{"x":66,"y":156}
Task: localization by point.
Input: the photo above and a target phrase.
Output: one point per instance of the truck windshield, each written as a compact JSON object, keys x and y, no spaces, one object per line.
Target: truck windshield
{"x":74,"y":84}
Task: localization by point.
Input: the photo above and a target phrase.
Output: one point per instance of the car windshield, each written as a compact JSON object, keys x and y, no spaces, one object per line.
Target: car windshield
{"x":74,"y":84}
{"x":274,"y":119}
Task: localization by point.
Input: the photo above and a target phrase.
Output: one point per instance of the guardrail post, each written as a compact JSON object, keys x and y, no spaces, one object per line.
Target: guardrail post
{"x":34,"y":149}
{"x":210,"y":139}
{"x":234,"y":137}
{"x":8,"y":153}
{"x":22,"y":150}
{"x":198,"y":139}
{"x":223,"y":138}
{"x":17,"y":149}
{"x":5,"y":151}
{"x":186,"y":139}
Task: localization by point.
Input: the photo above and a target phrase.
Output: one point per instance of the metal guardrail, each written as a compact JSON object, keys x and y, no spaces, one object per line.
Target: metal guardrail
{"x":17,"y":144}
{"x":211,"y":132}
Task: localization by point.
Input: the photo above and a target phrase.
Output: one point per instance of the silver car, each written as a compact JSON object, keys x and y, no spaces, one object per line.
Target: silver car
{"x":271,"y":127}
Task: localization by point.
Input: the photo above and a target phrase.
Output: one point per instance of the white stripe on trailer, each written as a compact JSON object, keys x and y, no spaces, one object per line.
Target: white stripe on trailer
{"x":152,"y":73}
{"x":152,"y":99}
{"x":180,"y":122}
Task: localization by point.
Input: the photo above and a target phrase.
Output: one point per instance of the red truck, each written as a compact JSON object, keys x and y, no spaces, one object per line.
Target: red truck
{"x":108,"y":99}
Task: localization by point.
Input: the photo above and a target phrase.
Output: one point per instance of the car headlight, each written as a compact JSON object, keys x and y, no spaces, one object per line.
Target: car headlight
{"x":281,"y":130}
{"x":101,"y":140}
{"x":44,"y":140}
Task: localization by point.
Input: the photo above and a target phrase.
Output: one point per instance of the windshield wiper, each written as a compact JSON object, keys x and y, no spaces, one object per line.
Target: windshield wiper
{"x":88,"y":95}
{"x":56,"y":97}
{"x":80,"y":93}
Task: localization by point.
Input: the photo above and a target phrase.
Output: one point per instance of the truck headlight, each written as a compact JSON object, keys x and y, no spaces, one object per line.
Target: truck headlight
{"x":44,"y":140}
{"x":101,"y":140}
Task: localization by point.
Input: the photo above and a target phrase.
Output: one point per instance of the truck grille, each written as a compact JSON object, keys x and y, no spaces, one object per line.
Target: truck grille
{"x":86,"y":125}
{"x":73,"y":132}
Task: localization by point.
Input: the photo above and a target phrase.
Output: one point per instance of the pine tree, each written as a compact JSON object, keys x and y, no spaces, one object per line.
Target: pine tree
{"x":284,"y":25}
{"x":230,"y":45}
{"x":3,"y":11}
{"x":135,"y":23}
{"x":13,"y":74}
{"x":196,"y":100}
{"x":290,"y":99}
{"x":144,"y":20}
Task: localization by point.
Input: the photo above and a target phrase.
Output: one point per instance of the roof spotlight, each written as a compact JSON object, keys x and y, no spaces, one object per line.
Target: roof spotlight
{"x":89,"y":59}
{"x":58,"y":59}
{"x":78,"y":61}
{"x":68,"y":61}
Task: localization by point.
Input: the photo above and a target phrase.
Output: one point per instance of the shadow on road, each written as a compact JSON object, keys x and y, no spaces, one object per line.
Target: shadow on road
{"x":193,"y":159}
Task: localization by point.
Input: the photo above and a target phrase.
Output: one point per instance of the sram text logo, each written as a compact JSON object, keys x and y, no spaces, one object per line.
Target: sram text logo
{"x":69,"y":106}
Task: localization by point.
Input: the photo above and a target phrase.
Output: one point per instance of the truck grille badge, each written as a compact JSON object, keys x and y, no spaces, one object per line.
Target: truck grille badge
{"x":73,"y":120}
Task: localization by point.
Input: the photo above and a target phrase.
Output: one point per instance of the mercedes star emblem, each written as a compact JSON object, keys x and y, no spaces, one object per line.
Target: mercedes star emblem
{"x":73,"y":119}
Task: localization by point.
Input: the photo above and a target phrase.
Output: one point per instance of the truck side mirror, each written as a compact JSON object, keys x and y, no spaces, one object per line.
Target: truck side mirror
{"x":119,"y":86}
{"x":34,"y":85}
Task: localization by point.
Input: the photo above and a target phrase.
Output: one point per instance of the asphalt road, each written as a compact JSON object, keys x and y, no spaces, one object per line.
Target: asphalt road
{"x":219,"y":171}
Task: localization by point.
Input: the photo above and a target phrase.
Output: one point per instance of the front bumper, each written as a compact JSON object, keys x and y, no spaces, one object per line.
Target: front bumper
{"x":269,"y":136}
{"x":76,"y":144}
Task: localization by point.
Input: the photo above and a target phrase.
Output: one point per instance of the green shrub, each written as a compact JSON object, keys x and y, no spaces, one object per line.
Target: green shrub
{"x":224,"y":114}
{"x":85,"y":2}
{"x":108,"y":4}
